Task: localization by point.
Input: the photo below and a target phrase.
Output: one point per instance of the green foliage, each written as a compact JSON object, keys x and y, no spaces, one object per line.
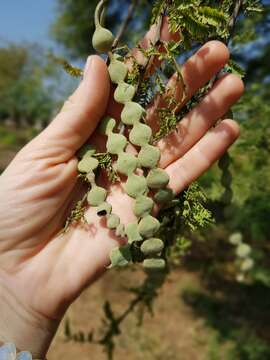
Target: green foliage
{"x":74,"y":25}
{"x":25,"y":99}
{"x":183,"y":218}
{"x":194,"y":19}
{"x":195,"y":215}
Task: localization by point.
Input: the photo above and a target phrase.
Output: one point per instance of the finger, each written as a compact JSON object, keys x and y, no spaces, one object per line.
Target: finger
{"x":196,"y":72}
{"x":165,"y":35}
{"x":196,"y":161}
{"x":193,"y":127}
{"x":83,"y":110}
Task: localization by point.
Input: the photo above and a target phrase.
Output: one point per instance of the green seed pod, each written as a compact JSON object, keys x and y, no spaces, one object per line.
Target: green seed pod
{"x":126,"y":163}
{"x":120,"y":231}
{"x":96,"y":196}
{"x":86,"y":150}
{"x":132,"y":233}
{"x":104,"y":209}
{"x":140,"y":134}
{"x":120,"y":256}
{"x":236,"y":238}
{"x":116,"y":143}
{"x":102,"y":40}
{"x":87,"y":164}
{"x":148,"y":226}
{"x":157,"y":178}
{"x":224,"y":161}
{"x":117,"y":70}
{"x":243,"y":250}
{"x":132,"y":113}
{"x":154,"y":264}
{"x":152,"y":246}
{"x":135,"y":185}
{"x":226,"y":179}
{"x":247,"y":264}
{"x":149,"y":156}
{"x":124,"y":92}
{"x":143,"y":206}
{"x":164,"y":196}
{"x":240,"y":278}
{"x":113,"y":221}
{"x":106,"y":126}
{"x":226,"y":198}
{"x":90,"y":176}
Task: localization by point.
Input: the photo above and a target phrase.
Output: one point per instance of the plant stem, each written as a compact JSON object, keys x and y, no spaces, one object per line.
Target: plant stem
{"x":125,"y":23}
{"x":236,"y":10}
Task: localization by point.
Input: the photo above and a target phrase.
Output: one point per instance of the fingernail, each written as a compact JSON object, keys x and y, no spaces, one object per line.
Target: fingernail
{"x":87,"y":67}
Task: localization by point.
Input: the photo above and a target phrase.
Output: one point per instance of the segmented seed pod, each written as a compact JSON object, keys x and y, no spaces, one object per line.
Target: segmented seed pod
{"x":243,"y":250}
{"x":135,"y":186}
{"x":149,"y":156}
{"x":247,"y":264}
{"x":153,"y":265}
{"x":140,"y":134}
{"x":163,"y":196}
{"x":107,"y":126}
{"x":143,"y":206}
{"x":224,"y":161}
{"x":87,"y":164}
{"x":113,"y":221}
{"x":148,"y":226}
{"x":152,"y":246}
{"x":132,"y":113}
{"x":157,"y":178}
{"x":132,"y":232}
{"x":104,"y":209}
{"x":116,"y":143}
{"x":227,"y":197}
{"x":103,"y":39}
{"x":120,"y":231}
{"x":236,"y":238}
{"x":126,"y":163}
{"x":226,"y":179}
{"x":124,"y":92}
{"x":85,"y":151}
{"x":96,"y":196}
{"x":117,"y":70}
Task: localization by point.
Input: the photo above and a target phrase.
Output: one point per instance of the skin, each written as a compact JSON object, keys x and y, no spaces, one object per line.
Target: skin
{"x":42,"y":271}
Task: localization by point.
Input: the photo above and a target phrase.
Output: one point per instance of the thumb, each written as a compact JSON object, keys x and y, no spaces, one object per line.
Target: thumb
{"x":82,"y":111}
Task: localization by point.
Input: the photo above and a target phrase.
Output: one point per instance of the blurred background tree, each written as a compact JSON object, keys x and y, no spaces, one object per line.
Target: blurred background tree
{"x":27,"y":94}
{"x":74,"y":22}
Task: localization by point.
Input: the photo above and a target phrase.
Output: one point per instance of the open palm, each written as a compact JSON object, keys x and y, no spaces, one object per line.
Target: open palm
{"x":44,"y":270}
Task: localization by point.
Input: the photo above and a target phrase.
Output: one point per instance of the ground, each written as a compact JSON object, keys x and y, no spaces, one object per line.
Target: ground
{"x":173,"y":333}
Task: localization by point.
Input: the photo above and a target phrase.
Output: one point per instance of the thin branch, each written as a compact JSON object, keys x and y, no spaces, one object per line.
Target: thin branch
{"x":231,"y":26}
{"x":125,"y":23}
{"x":236,"y":11}
{"x":148,"y":61}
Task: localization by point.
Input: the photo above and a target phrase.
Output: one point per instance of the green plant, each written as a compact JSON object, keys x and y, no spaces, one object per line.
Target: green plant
{"x":153,"y":239}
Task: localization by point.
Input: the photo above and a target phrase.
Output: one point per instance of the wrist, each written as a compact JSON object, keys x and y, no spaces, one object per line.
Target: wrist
{"x":20,"y":325}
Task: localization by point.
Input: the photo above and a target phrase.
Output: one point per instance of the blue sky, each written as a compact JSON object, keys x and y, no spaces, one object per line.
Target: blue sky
{"x":26,"y":20}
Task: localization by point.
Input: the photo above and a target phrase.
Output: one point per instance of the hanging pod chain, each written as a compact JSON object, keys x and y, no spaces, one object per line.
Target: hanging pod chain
{"x":142,"y":171}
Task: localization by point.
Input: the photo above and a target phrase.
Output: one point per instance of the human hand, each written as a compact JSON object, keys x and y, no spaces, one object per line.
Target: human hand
{"x":41,"y":271}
